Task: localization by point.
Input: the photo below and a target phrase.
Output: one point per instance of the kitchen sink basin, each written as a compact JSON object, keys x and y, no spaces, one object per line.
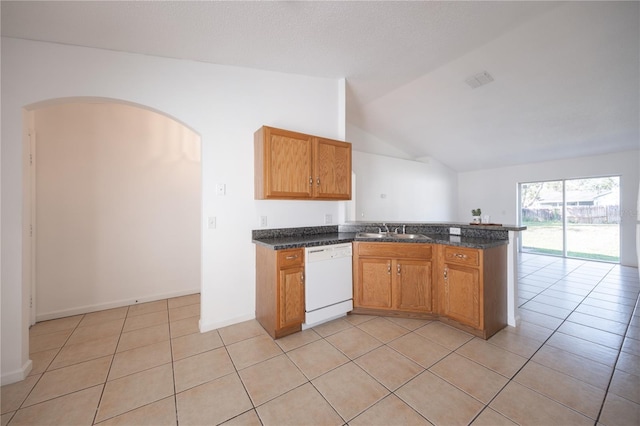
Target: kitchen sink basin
{"x":371,"y":235}
{"x":410,"y":236}
{"x":391,"y":235}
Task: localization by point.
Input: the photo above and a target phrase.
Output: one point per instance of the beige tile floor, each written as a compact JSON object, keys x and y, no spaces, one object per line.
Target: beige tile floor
{"x":575,"y":359}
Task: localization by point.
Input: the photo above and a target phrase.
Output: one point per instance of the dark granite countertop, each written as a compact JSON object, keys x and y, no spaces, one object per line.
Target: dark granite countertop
{"x":309,"y":240}
{"x":288,"y":238}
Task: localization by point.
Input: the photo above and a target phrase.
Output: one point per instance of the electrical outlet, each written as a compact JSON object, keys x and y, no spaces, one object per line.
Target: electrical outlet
{"x":263,"y":221}
{"x":221,"y":189}
{"x":454,"y":231}
{"x":328,"y":219}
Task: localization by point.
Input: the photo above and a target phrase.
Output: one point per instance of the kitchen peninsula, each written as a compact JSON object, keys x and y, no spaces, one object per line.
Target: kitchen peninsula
{"x":414,"y":270}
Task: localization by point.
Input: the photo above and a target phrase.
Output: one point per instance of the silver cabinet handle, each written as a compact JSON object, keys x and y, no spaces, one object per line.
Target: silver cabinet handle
{"x":389,"y":268}
{"x":310,"y":180}
{"x":291,"y":257}
{"x":398,"y":269}
{"x":446,"y":271}
{"x":461,"y":256}
{"x":318,"y":180}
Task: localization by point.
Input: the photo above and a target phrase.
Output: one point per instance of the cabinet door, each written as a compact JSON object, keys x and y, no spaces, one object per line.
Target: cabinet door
{"x":374,"y":286}
{"x":291,"y":296}
{"x":413,"y":285}
{"x":462,"y":294}
{"x":288,"y":168}
{"x":332,"y":177}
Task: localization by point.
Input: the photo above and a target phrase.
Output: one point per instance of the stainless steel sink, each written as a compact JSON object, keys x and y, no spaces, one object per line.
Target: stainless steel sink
{"x":371,"y":235}
{"x":392,"y":235}
{"x":410,"y":236}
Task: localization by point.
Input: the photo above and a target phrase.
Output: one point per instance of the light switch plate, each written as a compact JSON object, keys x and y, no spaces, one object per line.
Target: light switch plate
{"x":221,"y":189}
{"x":328,"y":219}
{"x":211,"y":222}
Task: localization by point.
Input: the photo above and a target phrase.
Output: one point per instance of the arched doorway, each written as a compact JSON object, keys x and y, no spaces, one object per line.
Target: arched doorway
{"x":115,"y":206}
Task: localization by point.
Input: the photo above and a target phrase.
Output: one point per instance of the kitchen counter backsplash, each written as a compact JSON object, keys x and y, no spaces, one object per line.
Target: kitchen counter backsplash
{"x":261,"y":234}
{"x":471,"y":235}
{"x":471,"y":231}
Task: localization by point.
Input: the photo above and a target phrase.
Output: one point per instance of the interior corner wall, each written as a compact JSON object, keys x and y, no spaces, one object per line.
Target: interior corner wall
{"x":224,"y":105}
{"x":390,"y":186}
{"x":395,"y":189}
{"x":495,"y":191}
{"x":117,"y":207}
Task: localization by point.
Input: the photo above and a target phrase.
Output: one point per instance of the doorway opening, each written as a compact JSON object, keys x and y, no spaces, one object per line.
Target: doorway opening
{"x":578,"y":218}
{"x":115,"y":206}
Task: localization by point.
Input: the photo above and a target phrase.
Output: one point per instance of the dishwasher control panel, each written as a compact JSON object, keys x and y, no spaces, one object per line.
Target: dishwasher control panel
{"x":316,"y":254}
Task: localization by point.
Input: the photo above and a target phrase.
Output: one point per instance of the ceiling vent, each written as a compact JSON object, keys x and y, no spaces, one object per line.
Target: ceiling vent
{"x":479,"y":79}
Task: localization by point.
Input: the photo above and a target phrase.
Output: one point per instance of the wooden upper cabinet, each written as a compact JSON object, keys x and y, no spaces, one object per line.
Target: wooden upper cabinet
{"x":297,"y":166}
{"x":332,"y":169}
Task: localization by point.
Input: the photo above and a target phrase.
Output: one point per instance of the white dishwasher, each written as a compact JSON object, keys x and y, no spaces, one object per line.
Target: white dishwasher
{"x":328,"y":283}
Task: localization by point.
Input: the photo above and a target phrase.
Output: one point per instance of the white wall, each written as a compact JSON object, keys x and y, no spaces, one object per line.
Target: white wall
{"x":495,"y":190}
{"x":366,"y":142}
{"x":389,"y":186}
{"x":117,"y":207}
{"x":394,"y":189}
{"x":225,"y":105}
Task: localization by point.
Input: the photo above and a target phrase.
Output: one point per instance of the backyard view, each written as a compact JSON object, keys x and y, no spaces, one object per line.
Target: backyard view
{"x":592,"y":220}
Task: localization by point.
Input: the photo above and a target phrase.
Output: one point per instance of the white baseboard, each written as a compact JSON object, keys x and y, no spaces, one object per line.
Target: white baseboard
{"x":204,"y":327}
{"x":110,"y":305}
{"x":16,"y":375}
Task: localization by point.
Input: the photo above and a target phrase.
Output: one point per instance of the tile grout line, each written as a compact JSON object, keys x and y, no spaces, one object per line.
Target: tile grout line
{"x":530,"y":359}
{"x":106,"y":379}
{"x":173,"y":369}
{"x":47,"y":368}
{"x":556,"y":331}
{"x":617,"y":358}
{"x":350,"y":360}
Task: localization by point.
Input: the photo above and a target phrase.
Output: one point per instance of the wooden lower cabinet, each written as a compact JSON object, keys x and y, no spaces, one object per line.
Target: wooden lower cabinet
{"x":280,"y":290}
{"x":413,"y":285}
{"x":462,"y":296}
{"x":392,"y":277}
{"x":463,"y":287}
{"x":473,"y":288}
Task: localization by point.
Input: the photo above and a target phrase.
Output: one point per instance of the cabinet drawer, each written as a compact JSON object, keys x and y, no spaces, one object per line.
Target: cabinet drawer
{"x":395,"y":250}
{"x":292,"y":257}
{"x":462,"y":256}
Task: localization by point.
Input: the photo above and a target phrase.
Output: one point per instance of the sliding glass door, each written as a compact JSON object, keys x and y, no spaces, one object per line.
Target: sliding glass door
{"x":544,"y":222}
{"x":572,"y":218}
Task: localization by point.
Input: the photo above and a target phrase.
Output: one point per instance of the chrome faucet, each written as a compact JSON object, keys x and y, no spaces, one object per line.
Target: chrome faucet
{"x":386,"y":228}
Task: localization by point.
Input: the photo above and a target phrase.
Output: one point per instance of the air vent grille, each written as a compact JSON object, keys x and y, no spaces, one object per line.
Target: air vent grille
{"x":479,"y":79}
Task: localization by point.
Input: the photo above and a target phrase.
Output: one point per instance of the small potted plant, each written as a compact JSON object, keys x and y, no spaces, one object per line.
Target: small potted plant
{"x":476,"y":214}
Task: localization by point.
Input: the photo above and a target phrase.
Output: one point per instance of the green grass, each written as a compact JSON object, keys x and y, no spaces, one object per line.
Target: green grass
{"x":596,"y":242}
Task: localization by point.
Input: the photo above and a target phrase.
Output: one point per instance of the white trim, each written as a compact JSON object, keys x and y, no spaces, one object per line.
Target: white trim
{"x":111,"y":305}
{"x":513,"y":316}
{"x":33,"y":235}
{"x":17,"y":375}
{"x":216,"y":325}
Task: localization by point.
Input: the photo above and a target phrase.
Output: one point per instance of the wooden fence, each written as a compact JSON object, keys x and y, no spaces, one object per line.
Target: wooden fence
{"x":575,"y":214}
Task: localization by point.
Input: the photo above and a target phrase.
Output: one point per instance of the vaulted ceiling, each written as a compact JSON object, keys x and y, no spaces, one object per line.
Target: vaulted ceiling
{"x":566,"y":74}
